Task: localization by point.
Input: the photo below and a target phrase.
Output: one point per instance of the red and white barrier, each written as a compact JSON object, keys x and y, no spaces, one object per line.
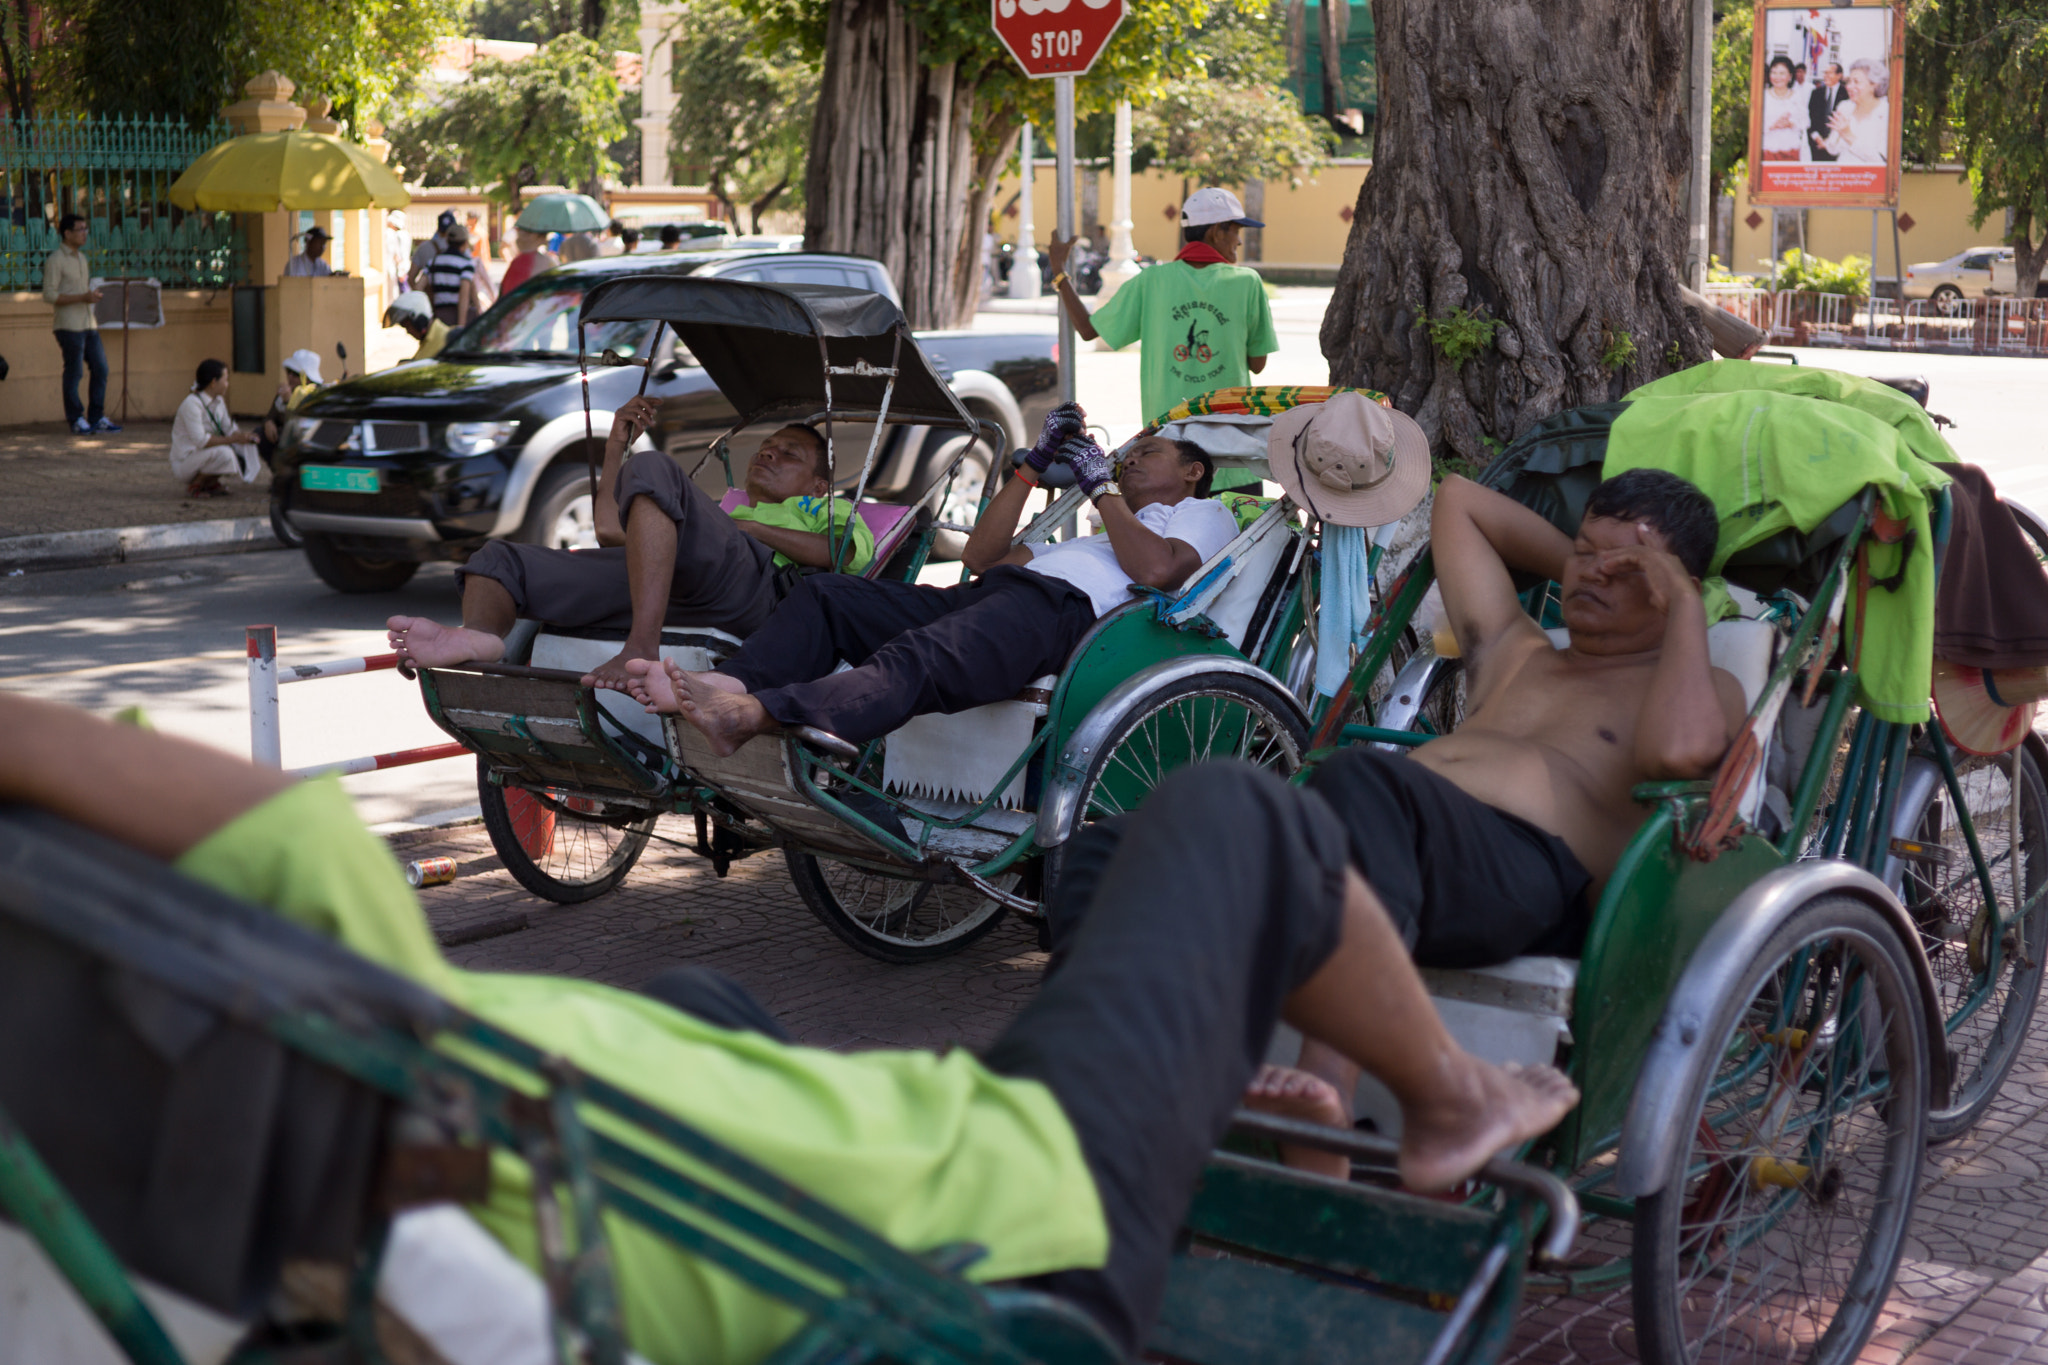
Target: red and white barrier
{"x":266,"y":741}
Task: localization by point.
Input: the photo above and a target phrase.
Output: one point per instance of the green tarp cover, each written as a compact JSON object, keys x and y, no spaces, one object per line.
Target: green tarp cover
{"x":1780,"y":447}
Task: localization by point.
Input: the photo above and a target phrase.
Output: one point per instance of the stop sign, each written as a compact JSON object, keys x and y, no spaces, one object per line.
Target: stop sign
{"x":1056,"y":37}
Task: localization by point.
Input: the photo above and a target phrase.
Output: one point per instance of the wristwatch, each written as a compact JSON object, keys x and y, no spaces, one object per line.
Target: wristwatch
{"x":1059,"y":280}
{"x":1105,"y":490}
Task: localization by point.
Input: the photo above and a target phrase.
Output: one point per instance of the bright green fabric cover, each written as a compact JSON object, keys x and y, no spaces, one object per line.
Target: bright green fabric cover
{"x":925,"y":1149}
{"x":808,"y":514}
{"x":1199,"y":326}
{"x":1778,"y":446}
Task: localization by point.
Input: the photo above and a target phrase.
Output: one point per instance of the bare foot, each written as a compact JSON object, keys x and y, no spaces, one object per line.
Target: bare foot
{"x":649,"y":683}
{"x":430,"y":645}
{"x":1498,"y":1107}
{"x":722,"y":681}
{"x":615,"y":672}
{"x":728,"y":719}
{"x":1290,"y":1094}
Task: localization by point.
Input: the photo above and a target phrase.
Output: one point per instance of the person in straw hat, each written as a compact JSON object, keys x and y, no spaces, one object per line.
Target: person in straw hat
{"x":1493,"y":841}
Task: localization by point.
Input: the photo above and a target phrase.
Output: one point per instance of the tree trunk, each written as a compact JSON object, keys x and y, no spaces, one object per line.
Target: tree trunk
{"x":893,"y":172}
{"x":766,"y":202}
{"x":1529,"y":165}
{"x":1336,"y":19}
{"x":2028,"y":256}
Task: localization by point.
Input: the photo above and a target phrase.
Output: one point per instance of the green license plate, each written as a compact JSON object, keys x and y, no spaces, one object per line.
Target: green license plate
{"x":331,"y":478}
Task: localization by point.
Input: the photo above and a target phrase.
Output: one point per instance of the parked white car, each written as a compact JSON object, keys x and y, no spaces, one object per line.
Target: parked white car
{"x":1974,"y":274}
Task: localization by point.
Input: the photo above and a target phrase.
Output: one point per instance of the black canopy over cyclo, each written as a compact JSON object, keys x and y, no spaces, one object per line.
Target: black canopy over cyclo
{"x":791,"y":350}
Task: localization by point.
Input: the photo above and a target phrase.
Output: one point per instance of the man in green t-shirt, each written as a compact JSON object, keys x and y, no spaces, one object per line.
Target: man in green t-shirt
{"x":1069,"y":1149}
{"x":1201,"y":320}
{"x":669,"y":556}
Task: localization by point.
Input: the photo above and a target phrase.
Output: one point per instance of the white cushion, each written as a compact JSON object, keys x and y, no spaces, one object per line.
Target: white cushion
{"x":693,"y":648}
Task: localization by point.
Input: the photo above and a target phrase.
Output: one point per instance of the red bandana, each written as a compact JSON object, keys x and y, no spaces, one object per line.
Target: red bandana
{"x":1199,"y":254}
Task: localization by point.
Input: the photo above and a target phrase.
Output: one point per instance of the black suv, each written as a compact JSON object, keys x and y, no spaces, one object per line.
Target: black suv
{"x":429,"y":460}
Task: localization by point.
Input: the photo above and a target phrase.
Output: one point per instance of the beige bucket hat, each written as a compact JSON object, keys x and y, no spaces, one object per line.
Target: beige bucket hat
{"x":1350,"y":461}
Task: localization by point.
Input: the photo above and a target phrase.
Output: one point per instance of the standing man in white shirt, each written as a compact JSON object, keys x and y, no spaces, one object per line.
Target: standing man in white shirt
{"x":67,"y":287}
{"x":313,"y":259}
{"x":917,"y":649}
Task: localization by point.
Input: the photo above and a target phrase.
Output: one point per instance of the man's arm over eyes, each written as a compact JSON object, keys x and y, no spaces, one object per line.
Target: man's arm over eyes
{"x":1692,"y":710}
{"x":1477,"y":537}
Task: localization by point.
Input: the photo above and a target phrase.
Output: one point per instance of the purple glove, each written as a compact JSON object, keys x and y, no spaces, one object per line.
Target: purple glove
{"x":1062,"y":422}
{"x":1091,"y":465}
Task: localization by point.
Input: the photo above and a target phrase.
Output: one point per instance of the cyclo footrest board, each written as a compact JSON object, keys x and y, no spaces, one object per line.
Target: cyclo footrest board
{"x":758,"y":780}
{"x":536,"y":732}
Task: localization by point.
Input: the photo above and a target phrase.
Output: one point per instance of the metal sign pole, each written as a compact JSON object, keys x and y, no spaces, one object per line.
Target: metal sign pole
{"x":1063,"y":134}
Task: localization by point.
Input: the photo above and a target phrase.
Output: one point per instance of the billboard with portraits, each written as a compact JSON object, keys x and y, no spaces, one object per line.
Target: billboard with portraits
{"x":1824,"y":104}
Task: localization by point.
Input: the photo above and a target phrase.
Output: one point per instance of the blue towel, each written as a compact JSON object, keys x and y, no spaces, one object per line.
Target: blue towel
{"x":1346,"y":605}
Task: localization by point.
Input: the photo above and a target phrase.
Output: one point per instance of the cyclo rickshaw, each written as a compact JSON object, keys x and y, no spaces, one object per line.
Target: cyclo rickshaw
{"x":1803,"y":970}
{"x":912,"y":847}
{"x":225,"y":1138}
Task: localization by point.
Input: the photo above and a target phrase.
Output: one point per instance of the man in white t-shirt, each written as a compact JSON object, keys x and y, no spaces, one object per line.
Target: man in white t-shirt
{"x":917,"y":649}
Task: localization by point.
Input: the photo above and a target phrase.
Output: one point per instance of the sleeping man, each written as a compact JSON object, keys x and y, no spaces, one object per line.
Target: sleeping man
{"x":1496,"y":840}
{"x":669,"y":556}
{"x":1070,"y":1149}
{"x":917,"y":649}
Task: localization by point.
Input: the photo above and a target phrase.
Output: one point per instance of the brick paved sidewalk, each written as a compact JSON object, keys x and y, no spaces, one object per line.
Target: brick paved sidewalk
{"x":1972,"y":1290}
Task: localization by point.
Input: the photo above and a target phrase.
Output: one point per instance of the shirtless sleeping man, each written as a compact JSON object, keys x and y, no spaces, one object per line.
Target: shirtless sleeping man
{"x":669,"y":556}
{"x":1496,"y":840}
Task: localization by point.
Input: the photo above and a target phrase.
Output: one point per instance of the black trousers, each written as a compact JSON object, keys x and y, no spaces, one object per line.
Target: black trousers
{"x":1466,"y":885}
{"x":723,"y":578}
{"x":914,"y":649}
{"x":1161,"y":1008}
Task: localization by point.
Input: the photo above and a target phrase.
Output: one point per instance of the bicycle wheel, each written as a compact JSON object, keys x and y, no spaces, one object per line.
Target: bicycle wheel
{"x":560,"y":847}
{"x":1987,"y":978}
{"x":1776,"y":1235}
{"x":892,"y":919}
{"x":1202,"y":717}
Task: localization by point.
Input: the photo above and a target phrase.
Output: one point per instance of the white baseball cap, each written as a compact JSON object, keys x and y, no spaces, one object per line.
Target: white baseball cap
{"x":1206,"y":208}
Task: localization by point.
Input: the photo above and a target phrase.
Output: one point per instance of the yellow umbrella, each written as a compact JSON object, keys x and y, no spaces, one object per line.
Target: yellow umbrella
{"x":291,"y":170}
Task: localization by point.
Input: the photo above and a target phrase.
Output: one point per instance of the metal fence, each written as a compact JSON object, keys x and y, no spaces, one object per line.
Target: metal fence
{"x":117,"y":172}
{"x":1991,"y":326}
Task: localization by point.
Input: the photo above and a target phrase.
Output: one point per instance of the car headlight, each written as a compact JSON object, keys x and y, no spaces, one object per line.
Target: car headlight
{"x":474,"y":438}
{"x":303,"y":430}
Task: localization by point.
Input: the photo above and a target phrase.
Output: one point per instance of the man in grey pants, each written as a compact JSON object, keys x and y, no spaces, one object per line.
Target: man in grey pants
{"x":670,"y":557}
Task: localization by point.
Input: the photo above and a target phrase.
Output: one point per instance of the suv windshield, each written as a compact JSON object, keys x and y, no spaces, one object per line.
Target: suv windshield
{"x":539,"y":319}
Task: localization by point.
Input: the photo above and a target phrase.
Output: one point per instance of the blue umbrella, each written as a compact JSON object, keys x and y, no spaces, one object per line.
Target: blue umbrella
{"x":562,"y":213}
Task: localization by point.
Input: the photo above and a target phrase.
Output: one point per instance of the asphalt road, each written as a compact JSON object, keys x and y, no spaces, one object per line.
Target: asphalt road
{"x":168,"y":636}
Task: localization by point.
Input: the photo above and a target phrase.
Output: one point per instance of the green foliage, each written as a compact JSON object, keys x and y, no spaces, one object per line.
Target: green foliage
{"x":190,"y":58}
{"x":1978,"y":92}
{"x":544,"y":120}
{"x":1459,"y":334}
{"x":614,"y":24}
{"x":1804,"y":273}
{"x":1242,"y":45}
{"x":1154,"y":45}
{"x":1233,"y":119}
{"x":1721,"y":274}
{"x":1729,"y":131}
{"x":1224,"y":134}
{"x":1617,"y":350}
{"x":742,"y":123}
